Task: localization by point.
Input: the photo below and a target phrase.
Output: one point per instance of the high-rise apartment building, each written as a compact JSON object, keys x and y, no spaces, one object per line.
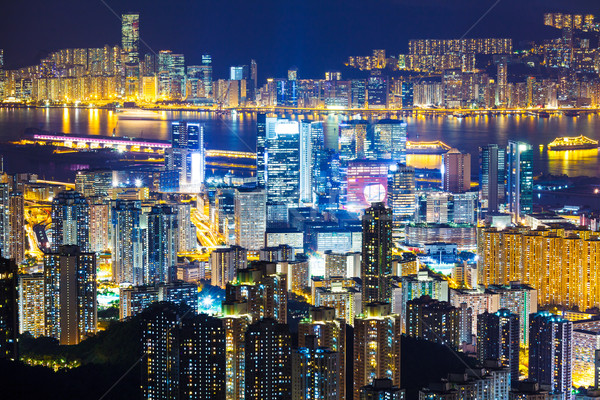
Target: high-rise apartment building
{"x":128,"y":242}
{"x":225,"y":263}
{"x":70,"y":294}
{"x":5,"y":219}
{"x":315,"y":372}
{"x":184,"y":354}
{"x":376,"y":269}
{"x":236,"y":320}
{"x":130,"y":43}
{"x":377,"y":336}
{"x":263,"y":289}
{"x":250,"y":213}
{"x":70,"y":221}
{"x":17,"y":226}
{"x":551,"y":352}
{"x":492,"y":173}
{"x":9,"y":313}
{"x":498,"y":338}
{"x":381,"y":389}
{"x":162,"y":243}
{"x":519,"y":179}
{"x":99,"y":225}
{"x":31,"y":304}
{"x":186,"y":229}
{"x":134,"y":300}
{"x":456,"y":171}
{"x":268,"y":361}
{"x":329,"y":333}
{"x":433,"y":320}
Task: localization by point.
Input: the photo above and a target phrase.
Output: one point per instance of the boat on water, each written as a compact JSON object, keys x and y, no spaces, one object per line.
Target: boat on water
{"x":137,"y":114}
{"x":571,"y":113}
{"x":573,"y":143}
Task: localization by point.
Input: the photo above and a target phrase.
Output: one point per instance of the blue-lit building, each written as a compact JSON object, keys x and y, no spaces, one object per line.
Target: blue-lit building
{"x":401,"y":195}
{"x":287,"y":93}
{"x":128,"y":242}
{"x":519,"y":179}
{"x":186,"y":156}
{"x":377,"y":90}
{"x":390,"y":140}
{"x":282,"y":162}
{"x":162,"y":238}
{"x":315,"y":372}
{"x":492,"y":174}
{"x":551,"y":352}
{"x":179,"y":293}
{"x":70,"y":221}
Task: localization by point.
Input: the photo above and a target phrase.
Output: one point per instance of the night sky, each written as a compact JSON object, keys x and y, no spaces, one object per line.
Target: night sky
{"x":315,"y":35}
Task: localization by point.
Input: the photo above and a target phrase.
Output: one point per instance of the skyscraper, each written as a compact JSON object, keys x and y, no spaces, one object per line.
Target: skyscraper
{"x":99,"y":225}
{"x":4,"y":220}
{"x":163,"y":240}
{"x":402,"y":199}
{"x":17,"y":226}
{"x":70,"y":220}
{"x":128,"y":237}
{"x":456,"y":171}
{"x":264,"y":128}
{"x":31,"y":304}
{"x":390,"y":140}
{"x":70,"y":294}
{"x":9,"y":321}
{"x":551,"y":352}
{"x":268,"y":361}
{"x":519,"y":179}
{"x":250,"y":218}
{"x":433,"y":320}
{"x":498,"y":338}
{"x":283,"y":163}
{"x":306,"y":162}
{"x":235,"y":321}
{"x":184,"y":354}
{"x":225,"y":263}
{"x":330,"y":333}
{"x":187,"y":154}
{"x":376,"y":269}
{"x":315,"y":372}
{"x":130,"y":43}
{"x":377,"y":336}
{"x":492,"y":172}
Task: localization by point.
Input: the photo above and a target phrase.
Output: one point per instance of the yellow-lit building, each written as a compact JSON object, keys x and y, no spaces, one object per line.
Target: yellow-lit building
{"x":235,"y":321}
{"x":31,"y":304}
{"x":562,"y":264}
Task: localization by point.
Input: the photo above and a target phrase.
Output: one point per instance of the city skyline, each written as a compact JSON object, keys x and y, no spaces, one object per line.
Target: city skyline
{"x":308,"y":36}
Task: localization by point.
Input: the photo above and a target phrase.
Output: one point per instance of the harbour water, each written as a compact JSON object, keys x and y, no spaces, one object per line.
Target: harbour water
{"x":237,"y":132}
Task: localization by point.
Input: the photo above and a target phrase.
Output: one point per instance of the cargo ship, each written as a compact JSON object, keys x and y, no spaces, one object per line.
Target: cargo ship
{"x":573,"y":143}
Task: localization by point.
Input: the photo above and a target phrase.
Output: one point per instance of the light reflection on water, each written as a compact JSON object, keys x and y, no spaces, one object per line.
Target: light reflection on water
{"x":238,"y":132}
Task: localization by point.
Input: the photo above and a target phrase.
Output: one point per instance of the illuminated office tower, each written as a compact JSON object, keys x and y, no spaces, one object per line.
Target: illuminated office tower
{"x":376,"y":269}
{"x":16,"y":207}
{"x":315,"y":372}
{"x":188,"y":157}
{"x":31,"y":304}
{"x":358,"y":93}
{"x":306,"y":162}
{"x":184,"y":355}
{"x":329,"y":333}
{"x":519,"y":179}
{"x":99,"y":226}
{"x":9,"y":312}
{"x":130,"y":43}
{"x":456,"y":171}
{"x":70,"y":221}
{"x":318,"y":161}
{"x":498,"y":338}
{"x":381,"y":389}
{"x":402,"y":199}
{"x":70,"y":294}
{"x":128,"y":242}
{"x":268,"y":361}
{"x":377,"y":336}
{"x":253,"y":79}
{"x":355,"y":141}
{"x":162,"y":240}
{"x":263,"y":289}
{"x":134,"y":300}
{"x":502,"y":74}
{"x":377,"y":90}
{"x":236,"y":320}
{"x":187,"y":230}
{"x":261,"y":148}
{"x":283,"y":163}
{"x":92,"y":183}
{"x":250,"y":213}
{"x":239,"y":72}
{"x":4,"y":219}
{"x":551,"y":352}
{"x":225,"y":263}
{"x":206,"y":74}
{"x":171,"y":75}
{"x":492,"y":172}
{"x":390,"y":139}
